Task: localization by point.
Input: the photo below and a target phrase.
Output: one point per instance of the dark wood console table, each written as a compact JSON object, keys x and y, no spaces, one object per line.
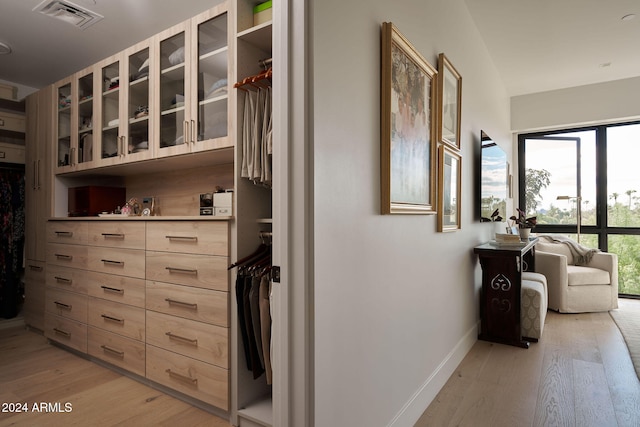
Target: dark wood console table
{"x":502,"y":267}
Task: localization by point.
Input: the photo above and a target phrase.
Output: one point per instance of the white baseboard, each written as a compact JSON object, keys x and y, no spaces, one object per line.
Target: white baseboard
{"x":415,"y":407}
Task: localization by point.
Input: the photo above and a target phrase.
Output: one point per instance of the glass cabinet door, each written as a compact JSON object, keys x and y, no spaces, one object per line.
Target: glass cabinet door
{"x":85,"y":118}
{"x":138,"y":132}
{"x":110,"y":141}
{"x":212,"y":77}
{"x":63,"y":125}
{"x":173,"y":47}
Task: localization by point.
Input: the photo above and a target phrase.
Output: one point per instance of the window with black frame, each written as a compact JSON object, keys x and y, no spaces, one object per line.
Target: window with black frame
{"x":582,"y":183}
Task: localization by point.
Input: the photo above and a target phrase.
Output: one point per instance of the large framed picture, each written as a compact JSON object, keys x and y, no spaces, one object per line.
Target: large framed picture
{"x":450,"y":105}
{"x":408,"y":147}
{"x":450,"y":189}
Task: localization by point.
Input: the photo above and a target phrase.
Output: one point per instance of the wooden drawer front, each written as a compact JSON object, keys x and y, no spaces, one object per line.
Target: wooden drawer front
{"x":120,"y":351}
{"x":118,"y":318}
{"x":192,"y":377}
{"x":66,"y":304}
{"x":67,"y":279}
{"x":68,"y":332}
{"x":67,"y":232}
{"x":191,"y":303}
{"x":202,"y":271}
{"x":122,"y":289}
{"x":202,"y":341}
{"x":34,"y":271}
{"x":34,"y":304}
{"x":117,"y":234}
{"x":124,"y":262}
{"x":67,"y":255}
{"x":191,"y":237}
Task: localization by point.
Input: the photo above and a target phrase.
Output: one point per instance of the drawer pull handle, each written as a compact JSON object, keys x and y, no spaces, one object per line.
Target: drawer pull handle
{"x":114,"y":290}
{"x":193,"y":238}
{"x":112,"y":351}
{"x":63,"y":256}
{"x":190,"y":341}
{"x":108,"y":261}
{"x":182,"y":270}
{"x":62,"y":305}
{"x":179,"y":377}
{"x":61,"y":332}
{"x":64,"y":233}
{"x":113,"y":235}
{"x":112,"y":319}
{"x":63,"y":280}
{"x":185,"y":304}
{"x":35,"y":267}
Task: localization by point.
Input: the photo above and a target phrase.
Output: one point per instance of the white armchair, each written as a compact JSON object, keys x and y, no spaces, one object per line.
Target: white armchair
{"x":578,"y":288}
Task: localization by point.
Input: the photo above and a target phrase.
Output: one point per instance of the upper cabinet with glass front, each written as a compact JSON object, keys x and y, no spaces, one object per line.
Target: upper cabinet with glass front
{"x":193,"y":85}
{"x":63,"y":151}
{"x":166,"y":96}
{"x":125,"y":97}
{"x":74,"y":122}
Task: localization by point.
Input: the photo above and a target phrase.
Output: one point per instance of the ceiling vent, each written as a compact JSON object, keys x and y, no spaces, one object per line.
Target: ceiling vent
{"x":69,"y":13}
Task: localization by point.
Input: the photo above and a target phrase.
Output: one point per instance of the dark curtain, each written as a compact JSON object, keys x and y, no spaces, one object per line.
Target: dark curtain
{"x":12,"y":238}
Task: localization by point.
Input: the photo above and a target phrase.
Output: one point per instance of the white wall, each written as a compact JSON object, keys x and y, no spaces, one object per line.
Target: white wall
{"x":582,"y":105}
{"x":395,"y":302}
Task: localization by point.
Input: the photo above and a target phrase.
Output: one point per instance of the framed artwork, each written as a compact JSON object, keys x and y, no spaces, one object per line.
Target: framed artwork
{"x":450,"y":105}
{"x":408,"y":147}
{"x":449,"y":191}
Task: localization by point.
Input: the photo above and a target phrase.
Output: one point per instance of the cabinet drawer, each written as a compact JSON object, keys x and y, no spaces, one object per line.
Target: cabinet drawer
{"x":65,"y":331}
{"x":192,"y":377}
{"x":67,"y":279}
{"x":122,"y":289}
{"x":120,"y":351}
{"x":202,"y":271}
{"x":34,"y":271}
{"x":192,"y":237}
{"x":12,"y":122}
{"x":124,"y":262}
{"x":202,"y":341}
{"x":118,"y":318}
{"x":192,"y":303}
{"x":67,"y":255}
{"x":67,"y":232}
{"x":117,"y":234}
{"x":66,"y":304}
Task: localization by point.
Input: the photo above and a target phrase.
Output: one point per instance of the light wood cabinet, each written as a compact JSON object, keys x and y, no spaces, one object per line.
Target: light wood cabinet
{"x":102,"y":299}
{"x":37,"y":202}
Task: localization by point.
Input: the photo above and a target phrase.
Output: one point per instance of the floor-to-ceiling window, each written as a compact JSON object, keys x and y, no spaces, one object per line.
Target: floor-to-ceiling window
{"x":585,"y":183}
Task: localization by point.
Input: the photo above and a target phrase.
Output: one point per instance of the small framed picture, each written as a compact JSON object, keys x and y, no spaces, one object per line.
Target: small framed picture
{"x":450,"y":102}
{"x":449,"y":191}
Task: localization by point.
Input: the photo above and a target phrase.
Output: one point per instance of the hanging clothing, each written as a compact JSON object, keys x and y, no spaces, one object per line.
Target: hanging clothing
{"x":254,"y":310}
{"x":257,"y":136}
{"x":12,"y":211}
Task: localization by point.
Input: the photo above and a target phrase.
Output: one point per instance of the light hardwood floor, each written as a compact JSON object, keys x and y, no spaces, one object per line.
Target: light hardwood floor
{"x":579,"y":374}
{"x":33,"y":371}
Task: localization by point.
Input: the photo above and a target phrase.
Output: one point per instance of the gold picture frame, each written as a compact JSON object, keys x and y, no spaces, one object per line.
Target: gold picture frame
{"x":408,"y":116}
{"x":449,"y":188}
{"x":449,"y":102}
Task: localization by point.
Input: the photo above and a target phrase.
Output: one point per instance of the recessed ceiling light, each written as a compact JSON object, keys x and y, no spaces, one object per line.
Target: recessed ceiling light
{"x":629,"y":17}
{"x":4,"y":49}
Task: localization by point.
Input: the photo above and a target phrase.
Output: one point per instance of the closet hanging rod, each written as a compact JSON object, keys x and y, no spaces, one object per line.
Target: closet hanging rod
{"x":266,"y":234}
{"x":265,"y":63}
{"x":257,"y":81}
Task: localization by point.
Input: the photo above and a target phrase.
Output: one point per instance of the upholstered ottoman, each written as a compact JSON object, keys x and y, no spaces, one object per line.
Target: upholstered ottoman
{"x":533,"y":309}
